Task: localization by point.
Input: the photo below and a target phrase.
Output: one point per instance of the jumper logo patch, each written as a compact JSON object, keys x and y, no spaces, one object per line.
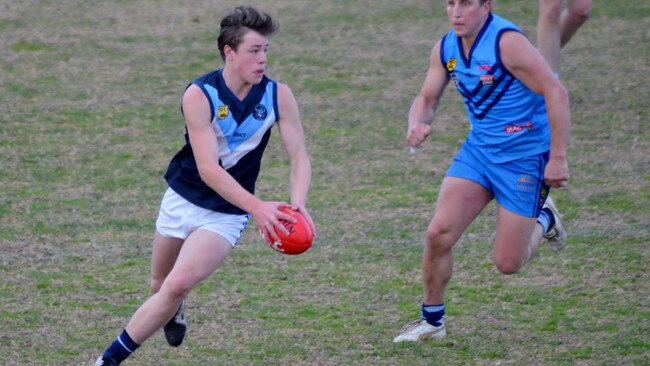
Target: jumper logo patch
{"x":487,"y":79}
{"x":519,"y":127}
{"x":223,"y":112}
{"x":260,"y":112}
{"x":485,"y":67}
{"x":451,"y":64}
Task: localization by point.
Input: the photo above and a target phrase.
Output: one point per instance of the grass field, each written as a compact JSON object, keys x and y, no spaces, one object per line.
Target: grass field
{"x":89,"y":97}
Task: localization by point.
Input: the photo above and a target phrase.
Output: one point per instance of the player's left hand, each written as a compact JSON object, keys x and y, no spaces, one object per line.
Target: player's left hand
{"x":303,"y":211}
{"x":417,"y":133}
{"x":556,"y":173}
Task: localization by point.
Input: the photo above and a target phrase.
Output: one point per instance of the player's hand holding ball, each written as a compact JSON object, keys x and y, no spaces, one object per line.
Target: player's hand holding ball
{"x":299,"y":238}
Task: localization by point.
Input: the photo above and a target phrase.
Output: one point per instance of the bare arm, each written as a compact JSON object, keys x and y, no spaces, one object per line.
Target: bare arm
{"x":293,"y":140}
{"x":526,"y":64}
{"x":425,"y":104}
{"x":196,"y":110}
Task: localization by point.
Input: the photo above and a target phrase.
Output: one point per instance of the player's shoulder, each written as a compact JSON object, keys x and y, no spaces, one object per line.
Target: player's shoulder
{"x":502,"y":23}
{"x":210,"y":77}
{"x":284,"y":91}
{"x":512,"y":42}
{"x":198,"y":84}
{"x":193,"y":91}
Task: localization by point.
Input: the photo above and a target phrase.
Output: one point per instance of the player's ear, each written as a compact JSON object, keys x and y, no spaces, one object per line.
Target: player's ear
{"x":488,"y":5}
{"x":229,"y":52}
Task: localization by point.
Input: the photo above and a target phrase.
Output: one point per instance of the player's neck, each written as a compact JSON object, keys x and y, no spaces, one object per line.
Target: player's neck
{"x":237,"y":85}
{"x":468,"y":40}
{"x":467,"y":45}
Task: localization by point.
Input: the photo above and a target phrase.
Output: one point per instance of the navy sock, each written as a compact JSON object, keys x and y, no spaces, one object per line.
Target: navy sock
{"x":546,"y":219}
{"x":434,"y":314}
{"x":121,"y":348}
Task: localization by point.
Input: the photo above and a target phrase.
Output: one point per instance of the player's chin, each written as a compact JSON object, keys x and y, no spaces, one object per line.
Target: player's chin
{"x":257,"y":77}
{"x":460,"y":32}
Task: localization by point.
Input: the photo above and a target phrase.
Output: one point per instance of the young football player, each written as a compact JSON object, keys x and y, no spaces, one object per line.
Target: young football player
{"x":228,"y":116}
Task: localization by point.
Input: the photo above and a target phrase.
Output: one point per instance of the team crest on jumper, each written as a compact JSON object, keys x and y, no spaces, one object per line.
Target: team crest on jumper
{"x":259,"y":112}
{"x":223,"y":112}
{"x":451,"y":64}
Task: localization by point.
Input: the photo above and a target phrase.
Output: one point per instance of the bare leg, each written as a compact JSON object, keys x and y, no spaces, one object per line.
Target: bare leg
{"x":459,"y":202}
{"x":517,"y":240}
{"x":164,"y":254}
{"x":556,"y":27}
{"x":199,"y":257}
{"x":576,"y":13}
{"x":548,"y":31}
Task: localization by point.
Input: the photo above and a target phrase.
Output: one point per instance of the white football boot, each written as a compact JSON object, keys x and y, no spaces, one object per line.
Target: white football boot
{"x":419,"y":330}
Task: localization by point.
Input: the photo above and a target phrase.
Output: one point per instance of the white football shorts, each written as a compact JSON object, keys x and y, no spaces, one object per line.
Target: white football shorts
{"x":178,"y":218}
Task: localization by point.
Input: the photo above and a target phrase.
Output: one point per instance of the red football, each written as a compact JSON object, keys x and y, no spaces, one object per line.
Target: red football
{"x":300,"y":235}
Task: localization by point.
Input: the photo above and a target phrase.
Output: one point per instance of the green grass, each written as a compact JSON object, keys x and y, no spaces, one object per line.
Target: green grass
{"x":90,"y":95}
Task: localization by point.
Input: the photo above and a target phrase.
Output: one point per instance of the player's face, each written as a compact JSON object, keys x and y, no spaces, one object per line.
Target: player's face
{"x":467,"y":16}
{"x":250,"y":58}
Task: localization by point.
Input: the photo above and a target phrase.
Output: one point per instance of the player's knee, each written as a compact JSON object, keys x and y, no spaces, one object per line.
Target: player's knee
{"x":551,"y":11}
{"x":178,"y":286}
{"x":580,"y":12}
{"x":508,"y":264}
{"x":437,"y":238}
{"x":155,"y":283}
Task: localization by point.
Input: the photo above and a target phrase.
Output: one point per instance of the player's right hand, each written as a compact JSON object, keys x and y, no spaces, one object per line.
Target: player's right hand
{"x":268,"y":217}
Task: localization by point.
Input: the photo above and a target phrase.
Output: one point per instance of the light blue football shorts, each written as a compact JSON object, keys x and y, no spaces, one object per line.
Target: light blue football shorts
{"x":517,"y":185}
{"x":178,"y":218}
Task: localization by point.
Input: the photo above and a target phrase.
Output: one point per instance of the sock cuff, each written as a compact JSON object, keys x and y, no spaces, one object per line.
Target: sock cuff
{"x":434,"y":314}
{"x":433,"y":307}
{"x":546,"y":219}
{"x":126,"y":342}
